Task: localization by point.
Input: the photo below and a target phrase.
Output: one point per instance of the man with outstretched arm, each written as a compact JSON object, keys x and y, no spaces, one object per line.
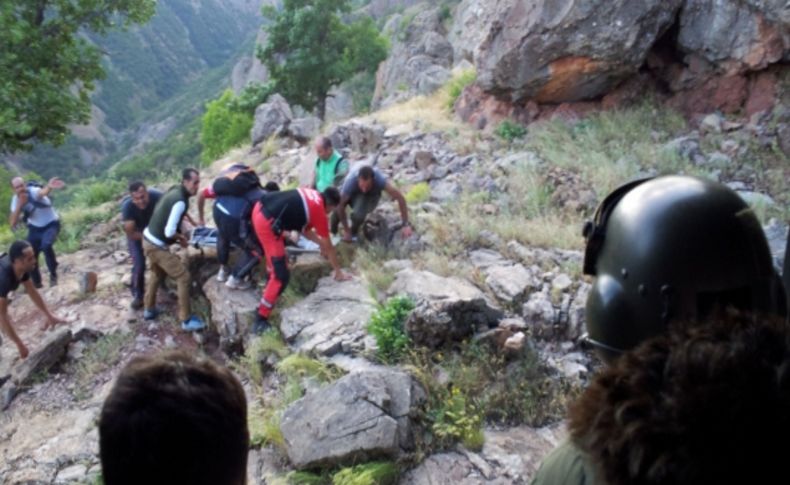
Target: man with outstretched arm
{"x":273,"y":217}
{"x":362,"y":191}
{"x":32,"y":204}
{"x":15,"y":269}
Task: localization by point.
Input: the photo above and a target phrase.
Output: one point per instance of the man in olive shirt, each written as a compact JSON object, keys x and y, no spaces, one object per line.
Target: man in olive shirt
{"x":15,"y":269}
{"x":164,"y":230}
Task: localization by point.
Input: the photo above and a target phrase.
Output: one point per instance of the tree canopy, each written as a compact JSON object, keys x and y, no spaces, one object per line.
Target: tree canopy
{"x":310,"y":49}
{"x":48,"y":67}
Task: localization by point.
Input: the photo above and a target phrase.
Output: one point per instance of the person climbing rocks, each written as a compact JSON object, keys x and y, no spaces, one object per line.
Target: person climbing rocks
{"x":330,"y":166}
{"x":136,"y":211}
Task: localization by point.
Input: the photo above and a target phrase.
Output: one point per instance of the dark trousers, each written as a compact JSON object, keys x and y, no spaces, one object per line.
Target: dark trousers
{"x":43,"y":239}
{"x":229,"y":236}
{"x":138,"y":268}
{"x":361,"y":206}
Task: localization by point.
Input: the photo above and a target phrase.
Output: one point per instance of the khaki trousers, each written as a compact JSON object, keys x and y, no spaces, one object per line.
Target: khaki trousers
{"x":163,"y":264}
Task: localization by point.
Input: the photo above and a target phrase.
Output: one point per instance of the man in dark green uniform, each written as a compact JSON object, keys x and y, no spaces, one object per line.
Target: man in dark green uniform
{"x":666,"y":251}
{"x":164,"y":230}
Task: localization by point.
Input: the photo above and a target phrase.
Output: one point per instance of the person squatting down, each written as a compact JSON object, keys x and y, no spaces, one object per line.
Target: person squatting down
{"x":273,"y":217}
{"x":15,"y":269}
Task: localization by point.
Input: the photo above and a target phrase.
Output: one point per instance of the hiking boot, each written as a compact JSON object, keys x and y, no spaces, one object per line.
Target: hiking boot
{"x":222,"y":275}
{"x":53,"y":280}
{"x":136,"y":304}
{"x":192,"y":324}
{"x":260,"y":325}
{"x":151,"y":313}
{"x":237,"y":283}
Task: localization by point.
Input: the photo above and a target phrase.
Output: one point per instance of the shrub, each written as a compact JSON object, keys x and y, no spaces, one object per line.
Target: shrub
{"x":386,"y":325}
{"x":455,"y":86}
{"x":455,"y":418}
{"x":510,"y":130}
{"x":419,"y":193}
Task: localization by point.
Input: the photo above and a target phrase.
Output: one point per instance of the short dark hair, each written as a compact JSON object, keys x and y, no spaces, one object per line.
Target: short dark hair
{"x":331,"y":197}
{"x":174,"y":418}
{"x":325,"y":142}
{"x":17,"y":249}
{"x":187,"y":173}
{"x":271,"y":186}
{"x":697,"y":405}
{"x":366,"y":172}
{"x":136,"y":185}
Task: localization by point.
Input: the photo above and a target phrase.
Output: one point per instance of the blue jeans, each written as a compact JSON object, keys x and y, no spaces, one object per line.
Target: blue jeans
{"x":138,"y":268}
{"x":43,"y":239}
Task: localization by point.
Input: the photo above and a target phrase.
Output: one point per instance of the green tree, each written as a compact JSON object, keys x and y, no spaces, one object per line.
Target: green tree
{"x":310,"y":49}
{"x":48,"y":67}
{"x":223,"y":127}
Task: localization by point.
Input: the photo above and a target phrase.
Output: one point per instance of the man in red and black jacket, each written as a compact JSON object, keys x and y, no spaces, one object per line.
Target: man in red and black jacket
{"x":273,"y":216}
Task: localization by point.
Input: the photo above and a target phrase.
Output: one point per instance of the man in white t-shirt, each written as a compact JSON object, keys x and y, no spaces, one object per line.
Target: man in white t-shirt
{"x":31,"y":204}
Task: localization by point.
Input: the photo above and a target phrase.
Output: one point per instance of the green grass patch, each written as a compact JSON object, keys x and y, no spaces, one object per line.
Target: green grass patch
{"x":386,"y":325}
{"x":299,"y":366}
{"x":510,"y":130}
{"x":373,"y":473}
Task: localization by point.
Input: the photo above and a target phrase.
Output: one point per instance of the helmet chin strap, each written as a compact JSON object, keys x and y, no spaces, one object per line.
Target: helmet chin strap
{"x":595,"y":343}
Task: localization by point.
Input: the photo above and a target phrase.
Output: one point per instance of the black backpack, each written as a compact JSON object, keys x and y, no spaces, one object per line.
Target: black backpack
{"x":238,"y":182}
{"x":32,"y":204}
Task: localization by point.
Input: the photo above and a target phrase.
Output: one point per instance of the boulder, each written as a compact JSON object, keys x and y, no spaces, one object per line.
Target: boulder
{"x":271,"y":118}
{"x":232,"y":313}
{"x":735,"y":36}
{"x":304,"y":129}
{"x":511,"y":284}
{"x":357,"y":137}
{"x":447,"y":309}
{"x":330,"y":320}
{"x":46,"y":354}
{"x":564,"y":51}
{"x":363,"y":416}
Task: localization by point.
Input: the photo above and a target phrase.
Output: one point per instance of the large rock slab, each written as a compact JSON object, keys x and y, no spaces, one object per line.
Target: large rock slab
{"x":362,"y":416}
{"x":45,"y":355}
{"x":232,"y":313}
{"x":447,"y":309}
{"x":357,"y":137}
{"x":568,"y":50}
{"x":330,"y":320}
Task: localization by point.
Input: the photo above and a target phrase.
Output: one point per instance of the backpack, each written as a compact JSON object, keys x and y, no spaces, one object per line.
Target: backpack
{"x":240,"y":180}
{"x":32,"y":204}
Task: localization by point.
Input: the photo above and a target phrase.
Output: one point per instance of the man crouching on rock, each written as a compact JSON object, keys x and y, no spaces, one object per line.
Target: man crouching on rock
{"x":273,"y":217}
{"x":15,"y":268}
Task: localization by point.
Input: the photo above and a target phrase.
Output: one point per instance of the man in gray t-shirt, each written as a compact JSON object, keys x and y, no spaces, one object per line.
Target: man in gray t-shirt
{"x":362,"y":190}
{"x":31,"y":202}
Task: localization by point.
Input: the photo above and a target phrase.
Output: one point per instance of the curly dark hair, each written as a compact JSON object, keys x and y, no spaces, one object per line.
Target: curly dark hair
{"x":702,"y":404}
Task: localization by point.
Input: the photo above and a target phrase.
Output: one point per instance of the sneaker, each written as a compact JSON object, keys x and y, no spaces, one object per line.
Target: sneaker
{"x":222,"y":275}
{"x":237,"y":283}
{"x":53,"y":280}
{"x":150,"y":313}
{"x":192,"y":324}
{"x":260,"y":325}
{"x":136,"y":304}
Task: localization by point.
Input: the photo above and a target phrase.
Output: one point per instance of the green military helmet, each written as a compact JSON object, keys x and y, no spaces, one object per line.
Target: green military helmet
{"x":673,"y":248}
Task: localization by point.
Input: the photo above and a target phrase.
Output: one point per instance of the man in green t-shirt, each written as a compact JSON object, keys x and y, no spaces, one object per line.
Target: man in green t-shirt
{"x":330,"y":166}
